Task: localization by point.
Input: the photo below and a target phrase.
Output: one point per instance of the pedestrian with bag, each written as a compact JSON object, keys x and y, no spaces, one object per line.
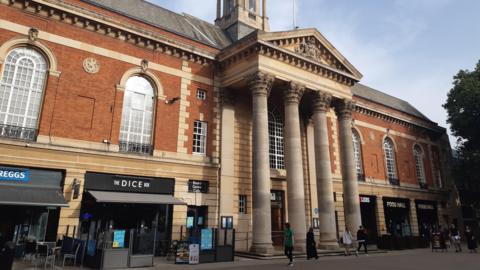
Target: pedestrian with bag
{"x":311,"y":245}
{"x":471,"y":240}
{"x":288,"y":242}
{"x":455,"y":238}
{"x":347,"y":241}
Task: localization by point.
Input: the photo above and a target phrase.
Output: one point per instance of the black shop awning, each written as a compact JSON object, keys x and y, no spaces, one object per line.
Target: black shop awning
{"x":140,"y":198}
{"x":31,"y":196}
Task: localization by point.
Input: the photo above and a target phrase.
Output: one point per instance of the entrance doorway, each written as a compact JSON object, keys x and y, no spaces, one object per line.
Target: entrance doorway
{"x":369,"y":218}
{"x":278,"y":216}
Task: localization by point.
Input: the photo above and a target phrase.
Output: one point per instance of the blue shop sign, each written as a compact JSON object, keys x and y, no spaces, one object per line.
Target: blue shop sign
{"x":14,"y":175}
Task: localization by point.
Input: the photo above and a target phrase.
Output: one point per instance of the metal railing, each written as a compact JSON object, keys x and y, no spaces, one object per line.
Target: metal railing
{"x":394,"y":181}
{"x":137,"y":148}
{"x":18,"y":133}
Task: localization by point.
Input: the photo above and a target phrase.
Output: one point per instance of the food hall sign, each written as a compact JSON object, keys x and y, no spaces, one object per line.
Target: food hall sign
{"x":396,"y":204}
{"x":14,"y":175}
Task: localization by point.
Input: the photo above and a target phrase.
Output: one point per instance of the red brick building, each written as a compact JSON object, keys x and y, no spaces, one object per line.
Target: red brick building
{"x":185,"y":124}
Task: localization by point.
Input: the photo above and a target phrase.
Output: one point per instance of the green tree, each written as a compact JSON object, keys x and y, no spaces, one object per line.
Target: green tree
{"x":463,"y":108}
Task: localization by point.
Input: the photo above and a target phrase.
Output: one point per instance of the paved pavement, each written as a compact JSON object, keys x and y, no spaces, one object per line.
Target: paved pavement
{"x":398,"y":260}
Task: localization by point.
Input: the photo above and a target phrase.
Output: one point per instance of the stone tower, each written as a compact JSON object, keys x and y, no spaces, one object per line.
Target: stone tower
{"x":240,"y":17}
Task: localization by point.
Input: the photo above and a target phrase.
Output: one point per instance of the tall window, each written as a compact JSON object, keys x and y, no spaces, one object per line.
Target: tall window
{"x":390,"y":161}
{"x":242,"y":204}
{"x":252,"y":6}
{"x":21,"y":91}
{"x":200,"y":137}
{"x":137,"y":116}
{"x":418,"y":155}
{"x":357,"y":151}
{"x":230,"y":5}
{"x":275,"y":132}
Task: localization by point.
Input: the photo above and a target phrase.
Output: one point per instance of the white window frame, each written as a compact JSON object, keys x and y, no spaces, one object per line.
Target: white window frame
{"x":389,"y":150}
{"x":129,"y":133}
{"x":17,"y":110}
{"x":201,"y":94}
{"x":242,"y":204}
{"x":276,"y":141}
{"x":357,"y":151}
{"x":419,"y":164}
{"x":199,"y":142}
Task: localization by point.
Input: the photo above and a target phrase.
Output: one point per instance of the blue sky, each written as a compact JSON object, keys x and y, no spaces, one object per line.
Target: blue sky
{"x":410,"y":49}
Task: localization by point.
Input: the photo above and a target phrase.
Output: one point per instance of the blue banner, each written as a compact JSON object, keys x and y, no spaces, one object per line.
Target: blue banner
{"x":14,"y":175}
{"x":119,"y":239}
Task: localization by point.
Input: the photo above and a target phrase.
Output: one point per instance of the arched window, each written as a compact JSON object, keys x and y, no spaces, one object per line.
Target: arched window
{"x":137,"y":116}
{"x":21,"y":90}
{"x":389,"y":150}
{"x":275,"y":131}
{"x":357,"y":151}
{"x":418,"y":155}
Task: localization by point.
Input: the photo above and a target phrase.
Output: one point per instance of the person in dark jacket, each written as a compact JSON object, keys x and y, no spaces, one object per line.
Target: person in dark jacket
{"x":362,"y":239}
{"x":311,"y":245}
{"x":471,"y":240}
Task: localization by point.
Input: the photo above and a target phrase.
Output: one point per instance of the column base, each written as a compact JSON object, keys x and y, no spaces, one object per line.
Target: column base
{"x":329,"y":245}
{"x":262,"y":248}
{"x":300,"y":247}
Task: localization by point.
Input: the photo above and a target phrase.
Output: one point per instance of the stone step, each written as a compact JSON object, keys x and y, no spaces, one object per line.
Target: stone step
{"x":278,"y":254}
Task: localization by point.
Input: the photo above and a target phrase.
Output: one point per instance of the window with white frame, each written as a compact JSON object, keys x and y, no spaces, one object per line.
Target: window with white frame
{"x":21,"y":90}
{"x":276,"y":145}
{"x":252,"y":6}
{"x":242,"y":204}
{"x":200,"y":137}
{"x":137,"y":116}
{"x":201,"y":94}
{"x":357,"y":151}
{"x":389,"y":150}
{"x":418,"y":155}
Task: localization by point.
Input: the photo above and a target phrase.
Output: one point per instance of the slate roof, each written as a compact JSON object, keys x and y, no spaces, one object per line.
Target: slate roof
{"x":181,"y":24}
{"x":376,"y":96}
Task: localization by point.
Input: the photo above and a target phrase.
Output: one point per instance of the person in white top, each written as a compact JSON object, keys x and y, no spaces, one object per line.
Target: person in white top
{"x":347,"y":240}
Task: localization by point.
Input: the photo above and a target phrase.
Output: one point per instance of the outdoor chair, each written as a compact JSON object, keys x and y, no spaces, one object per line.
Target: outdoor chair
{"x":30,"y":251}
{"x":45,"y":253}
{"x":72,"y":256}
{"x":172,"y":250}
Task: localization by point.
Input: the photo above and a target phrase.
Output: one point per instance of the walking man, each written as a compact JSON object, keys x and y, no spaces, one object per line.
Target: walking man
{"x":311,"y":245}
{"x":347,"y":240}
{"x":362,"y":239}
{"x":288,"y":240}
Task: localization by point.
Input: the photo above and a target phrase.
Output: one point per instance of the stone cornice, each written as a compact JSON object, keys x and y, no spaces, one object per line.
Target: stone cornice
{"x":396,"y":120}
{"x":89,"y":20}
{"x":252,"y":46}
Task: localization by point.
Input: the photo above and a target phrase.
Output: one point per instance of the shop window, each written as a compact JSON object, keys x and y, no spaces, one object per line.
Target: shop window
{"x":418,"y":155}
{"x":276,"y":145}
{"x":357,"y":150}
{"x":197,"y":217}
{"x":21,"y":90}
{"x":389,"y":151}
{"x":137,"y":116}
{"x":200,"y":137}
{"x":201,"y":94}
{"x":242,"y":204}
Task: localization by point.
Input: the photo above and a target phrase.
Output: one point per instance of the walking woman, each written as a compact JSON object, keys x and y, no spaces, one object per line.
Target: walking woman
{"x":311,"y":245}
{"x":347,"y":240}
{"x":288,"y":240}
{"x":471,"y":240}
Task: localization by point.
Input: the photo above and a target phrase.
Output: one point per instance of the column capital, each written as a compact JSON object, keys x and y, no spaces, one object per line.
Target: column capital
{"x":322,"y":101}
{"x":345,"y":108}
{"x":227,"y":97}
{"x":293,"y":92}
{"x":261,"y":83}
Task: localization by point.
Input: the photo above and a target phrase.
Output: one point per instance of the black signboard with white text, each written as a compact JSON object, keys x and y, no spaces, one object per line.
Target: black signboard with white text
{"x":198,"y":186}
{"x":127,"y":183}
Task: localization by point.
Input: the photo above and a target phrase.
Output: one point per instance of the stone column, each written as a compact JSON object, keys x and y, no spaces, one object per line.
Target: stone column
{"x":260,"y":86}
{"x":294,"y":165}
{"x":351,"y":200}
{"x":227,"y":160}
{"x":326,"y":204}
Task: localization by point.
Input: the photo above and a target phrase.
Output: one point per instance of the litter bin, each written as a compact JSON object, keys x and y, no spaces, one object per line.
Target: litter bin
{"x":7,"y":253}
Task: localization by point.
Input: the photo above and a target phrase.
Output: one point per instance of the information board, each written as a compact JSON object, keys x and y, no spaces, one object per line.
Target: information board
{"x":206,"y":240}
{"x":182,"y":254}
{"x":119,"y":239}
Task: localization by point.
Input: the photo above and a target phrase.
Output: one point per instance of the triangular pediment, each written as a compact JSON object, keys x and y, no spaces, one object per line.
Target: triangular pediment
{"x":311,"y":44}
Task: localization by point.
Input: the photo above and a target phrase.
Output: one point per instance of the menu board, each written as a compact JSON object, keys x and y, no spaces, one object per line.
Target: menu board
{"x":206,"y":241}
{"x":194,"y":256}
{"x":182,"y":254}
